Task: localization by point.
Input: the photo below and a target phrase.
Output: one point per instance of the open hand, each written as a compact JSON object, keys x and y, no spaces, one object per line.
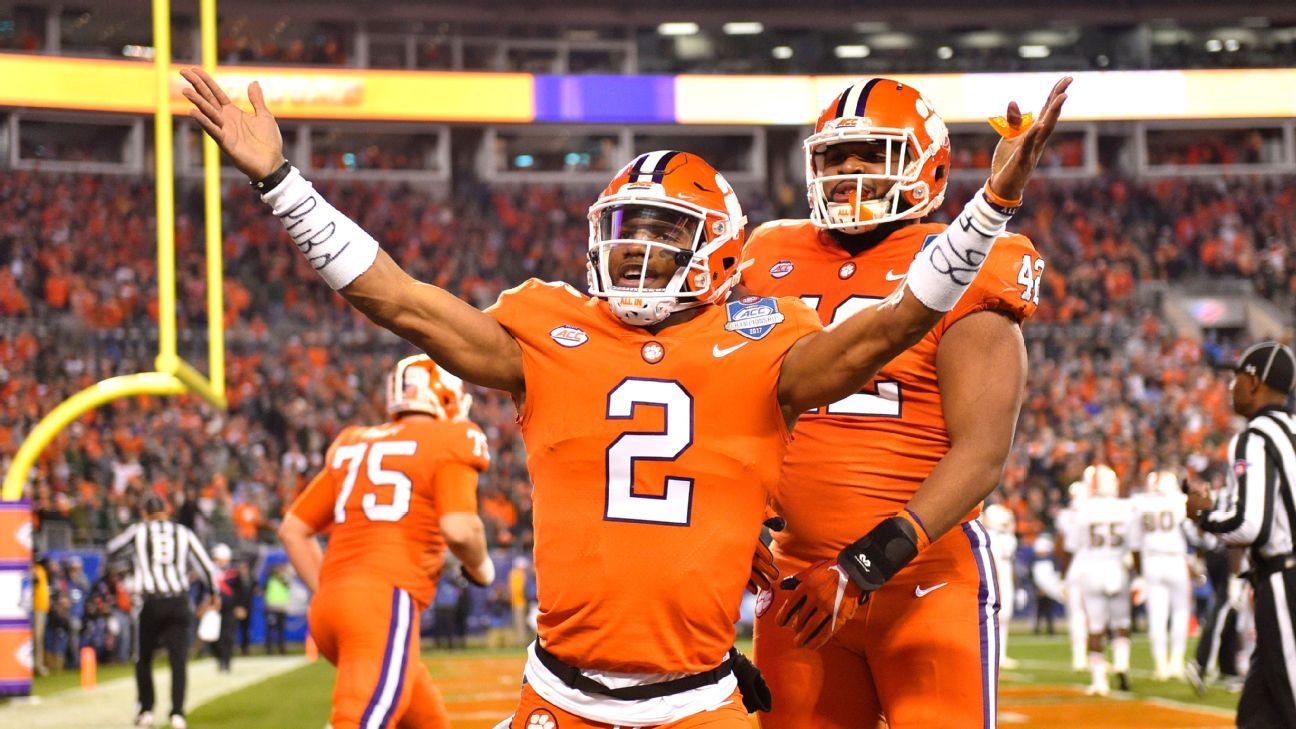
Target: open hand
{"x":252,"y":141}
{"x":1015,"y":157}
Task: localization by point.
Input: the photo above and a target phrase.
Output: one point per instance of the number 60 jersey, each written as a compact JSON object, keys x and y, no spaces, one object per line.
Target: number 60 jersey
{"x":653,"y":456}
{"x":883,"y":442}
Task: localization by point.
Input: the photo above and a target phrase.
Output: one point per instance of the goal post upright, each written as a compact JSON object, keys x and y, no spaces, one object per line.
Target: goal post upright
{"x":174,"y":376}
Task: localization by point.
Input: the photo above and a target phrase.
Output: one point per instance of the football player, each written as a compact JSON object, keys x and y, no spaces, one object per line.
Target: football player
{"x":1162,"y":513}
{"x":1101,"y":544}
{"x":392,"y":498}
{"x":655,"y":410}
{"x":926,"y":439}
{"x":1002,"y":528}
{"x":1073,"y":596}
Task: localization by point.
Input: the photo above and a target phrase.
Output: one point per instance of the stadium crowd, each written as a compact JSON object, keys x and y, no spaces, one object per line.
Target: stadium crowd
{"x":1108,"y":379}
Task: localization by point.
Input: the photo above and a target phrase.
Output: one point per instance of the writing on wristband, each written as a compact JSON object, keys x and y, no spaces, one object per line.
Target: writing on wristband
{"x":338,"y":249}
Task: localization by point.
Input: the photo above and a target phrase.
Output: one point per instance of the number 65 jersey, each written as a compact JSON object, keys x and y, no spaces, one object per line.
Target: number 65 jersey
{"x":883,"y":442}
{"x":653,"y":456}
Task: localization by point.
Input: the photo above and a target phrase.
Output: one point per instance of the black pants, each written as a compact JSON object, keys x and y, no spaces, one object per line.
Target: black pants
{"x":224,"y":645}
{"x":166,"y":621}
{"x":245,"y":632}
{"x":1218,"y":646}
{"x":1267,"y":701}
{"x":276,"y":624}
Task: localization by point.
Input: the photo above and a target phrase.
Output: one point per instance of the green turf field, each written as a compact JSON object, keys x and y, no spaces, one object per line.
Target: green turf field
{"x":480,"y":688}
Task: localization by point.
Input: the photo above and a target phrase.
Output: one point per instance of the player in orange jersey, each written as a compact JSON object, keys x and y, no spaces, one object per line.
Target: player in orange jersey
{"x":925,"y":440}
{"x":391,"y":498}
{"x":655,"y":410}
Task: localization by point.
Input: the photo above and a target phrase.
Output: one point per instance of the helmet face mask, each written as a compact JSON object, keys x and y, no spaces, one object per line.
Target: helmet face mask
{"x":912,"y":154}
{"x":665,"y":236}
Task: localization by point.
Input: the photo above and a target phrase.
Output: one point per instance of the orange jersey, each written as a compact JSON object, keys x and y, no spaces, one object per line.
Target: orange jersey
{"x":883,"y":442}
{"x":653,"y":456}
{"x":383,"y":490}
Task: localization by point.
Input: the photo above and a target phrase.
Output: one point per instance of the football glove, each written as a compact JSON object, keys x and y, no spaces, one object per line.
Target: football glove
{"x":826,"y":596}
{"x":763,"y":571}
{"x":823,"y":599}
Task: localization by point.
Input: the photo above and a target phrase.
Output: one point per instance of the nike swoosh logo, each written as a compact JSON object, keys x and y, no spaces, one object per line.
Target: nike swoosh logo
{"x":718,"y":353}
{"x":920,"y":592}
{"x":890,"y":276}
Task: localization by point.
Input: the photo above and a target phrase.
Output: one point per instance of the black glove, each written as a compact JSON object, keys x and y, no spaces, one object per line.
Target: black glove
{"x":756,"y":694}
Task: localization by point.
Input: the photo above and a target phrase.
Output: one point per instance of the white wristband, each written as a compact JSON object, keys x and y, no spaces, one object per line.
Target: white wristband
{"x":948,"y":265}
{"x":335,"y":246}
{"x":485,"y":571}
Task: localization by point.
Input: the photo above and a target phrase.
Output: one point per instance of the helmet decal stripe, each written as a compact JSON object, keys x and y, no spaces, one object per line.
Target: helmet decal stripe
{"x":659,"y":171}
{"x":651,"y":166}
{"x":864,"y":95}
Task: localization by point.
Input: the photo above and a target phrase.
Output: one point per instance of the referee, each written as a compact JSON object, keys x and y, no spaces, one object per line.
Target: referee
{"x":162,"y":550}
{"x":1256,"y":509}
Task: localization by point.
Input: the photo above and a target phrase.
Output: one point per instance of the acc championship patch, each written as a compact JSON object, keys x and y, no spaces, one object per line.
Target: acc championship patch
{"x":753,"y":316}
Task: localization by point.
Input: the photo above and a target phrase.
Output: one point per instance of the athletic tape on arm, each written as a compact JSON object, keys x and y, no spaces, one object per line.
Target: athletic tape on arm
{"x":949,"y":264}
{"x":333,"y":244}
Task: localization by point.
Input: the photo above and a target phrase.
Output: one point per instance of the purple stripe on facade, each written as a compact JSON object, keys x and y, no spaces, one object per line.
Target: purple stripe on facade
{"x":21,"y":505}
{"x":16,"y":624}
{"x":392,"y":630}
{"x":983,"y":594}
{"x":400,"y":680}
{"x":15,"y":687}
{"x":605,"y":98}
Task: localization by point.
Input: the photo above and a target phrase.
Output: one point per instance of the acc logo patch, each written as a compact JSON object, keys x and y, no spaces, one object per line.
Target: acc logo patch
{"x":764,"y":599}
{"x":781,"y":269}
{"x":541,"y":719}
{"x":568,"y":336}
{"x":753,"y":317}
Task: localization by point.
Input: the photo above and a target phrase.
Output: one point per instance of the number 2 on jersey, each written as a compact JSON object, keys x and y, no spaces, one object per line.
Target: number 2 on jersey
{"x":675,"y":504}
{"x":372,"y":455}
{"x":884,"y":399}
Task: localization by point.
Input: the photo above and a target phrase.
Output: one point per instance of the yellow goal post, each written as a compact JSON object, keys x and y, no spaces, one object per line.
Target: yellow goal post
{"x":173,"y":376}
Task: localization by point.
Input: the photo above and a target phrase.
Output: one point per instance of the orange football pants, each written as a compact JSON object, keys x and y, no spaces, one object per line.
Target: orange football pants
{"x":370,"y":631}
{"x":534,"y":712}
{"x":922,"y":652}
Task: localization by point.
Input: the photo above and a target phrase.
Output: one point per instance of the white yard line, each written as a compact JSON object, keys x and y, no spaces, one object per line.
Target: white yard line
{"x":111,"y":704}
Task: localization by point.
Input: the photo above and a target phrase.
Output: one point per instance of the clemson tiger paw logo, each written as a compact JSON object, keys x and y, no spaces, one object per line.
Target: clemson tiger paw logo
{"x":541,"y":719}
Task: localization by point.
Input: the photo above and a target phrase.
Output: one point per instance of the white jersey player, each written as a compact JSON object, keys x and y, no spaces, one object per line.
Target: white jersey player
{"x":1162,"y":519}
{"x":1103,"y":539}
{"x":1077,"y":625}
{"x":1002,"y":525}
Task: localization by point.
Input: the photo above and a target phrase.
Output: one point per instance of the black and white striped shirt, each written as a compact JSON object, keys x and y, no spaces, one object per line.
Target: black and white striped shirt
{"x":1257,"y":506}
{"x":162,"y":552}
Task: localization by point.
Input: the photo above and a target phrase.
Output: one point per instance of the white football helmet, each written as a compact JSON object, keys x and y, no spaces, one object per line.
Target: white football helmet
{"x":1165,"y":483}
{"x":419,"y":385}
{"x":999,"y":519}
{"x":1101,"y":481}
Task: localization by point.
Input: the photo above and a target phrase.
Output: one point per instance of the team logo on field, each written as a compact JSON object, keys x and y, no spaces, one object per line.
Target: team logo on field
{"x":753,"y":316}
{"x":653,"y":352}
{"x":764,"y":599}
{"x":781,"y":269}
{"x":541,"y":719}
{"x":568,"y":336}
{"x":847,"y":270}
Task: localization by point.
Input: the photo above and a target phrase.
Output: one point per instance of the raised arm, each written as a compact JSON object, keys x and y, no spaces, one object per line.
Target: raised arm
{"x":459,"y":337}
{"x":839,"y":361}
